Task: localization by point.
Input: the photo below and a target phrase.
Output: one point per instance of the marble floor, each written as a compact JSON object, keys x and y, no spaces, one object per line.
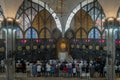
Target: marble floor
{"x":23,"y":76}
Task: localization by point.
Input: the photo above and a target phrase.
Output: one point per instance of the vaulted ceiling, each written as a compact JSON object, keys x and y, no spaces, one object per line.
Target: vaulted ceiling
{"x":110,"y":7}
{"x":10,"y":7}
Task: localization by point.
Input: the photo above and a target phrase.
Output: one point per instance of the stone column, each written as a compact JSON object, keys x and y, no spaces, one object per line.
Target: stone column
{"x":110,"y":55}
{"x":9,"y":27}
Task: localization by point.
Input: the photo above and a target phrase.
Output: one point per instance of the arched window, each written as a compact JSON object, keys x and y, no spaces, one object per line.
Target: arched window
{"x":94,"y":34}
{"x":92,"y":7}
{"x":31,"y":33}
{"x":118,"y":13}
{"x":2,"y":33}
{"x":36,"y":14}
{"x":19,"y":34}
{"x":24,"y":22}
{"x":86,"y":15}
{"x":118,"y":29}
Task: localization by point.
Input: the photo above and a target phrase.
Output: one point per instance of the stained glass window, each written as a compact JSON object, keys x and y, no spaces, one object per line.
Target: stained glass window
{"x":31,"y":33}
{"x":94,"y":33}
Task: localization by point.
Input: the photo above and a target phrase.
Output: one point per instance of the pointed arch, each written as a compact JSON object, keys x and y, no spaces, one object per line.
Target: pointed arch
{"x":56,"y":18}
{"x":2,"y":32}
{"x":1,"y":14}
{"x":31,"y":14}
{"x":31,"y":33}
{"x":69,"y":34}
{"x":81,"y":33}
{"x":24,"y":22}
{"x":82,"y":5}
{"x":44,"y":19}
{"x":94,"y":33}
{"x":56,"y":33}
{"x":118,"y":29}
{"x":19,"y":33}
{"x":45,"y":33}
{"x":82,"y":19}
{"x":118,"y":13}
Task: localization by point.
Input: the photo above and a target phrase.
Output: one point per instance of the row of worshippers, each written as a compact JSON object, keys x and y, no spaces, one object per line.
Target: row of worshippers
{"x":69,"y":69}
{"x":76,"y":68}
{"x":65,"y":69}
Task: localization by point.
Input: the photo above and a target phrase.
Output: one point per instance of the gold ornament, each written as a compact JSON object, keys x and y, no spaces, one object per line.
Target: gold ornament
{"x":27,"y":47}
{"x":83,"y":47}
{"x":34,"y":47}
{"x":105,"y":48}
{"x":90,"y":47}
{"x":97,"y":47}
{"x":19,"y":48}
{"x":42,"y":46}
{"x":48,"y":46}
